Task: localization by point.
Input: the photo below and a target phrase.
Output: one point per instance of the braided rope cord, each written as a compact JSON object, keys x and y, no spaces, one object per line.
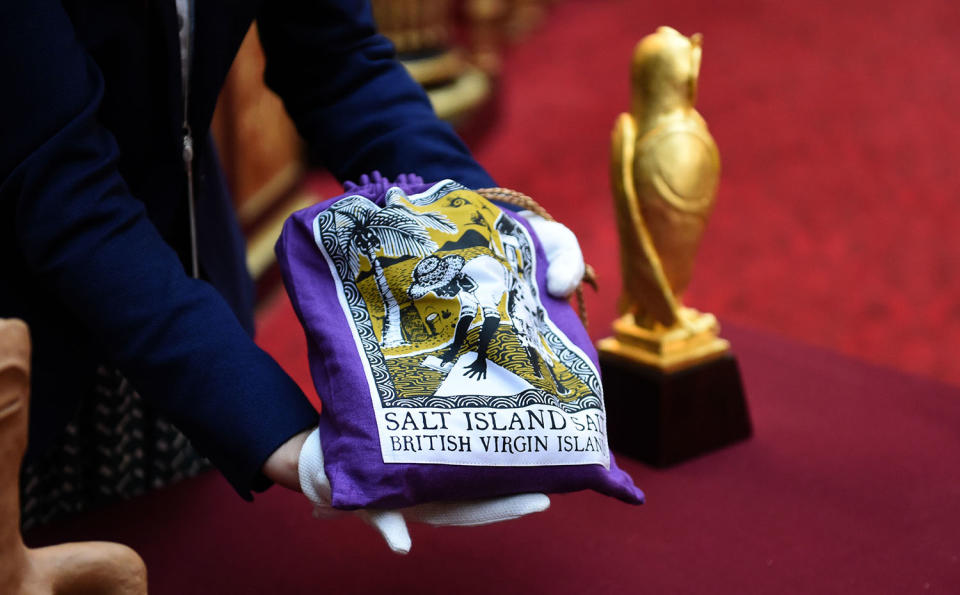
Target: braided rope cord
{"x":521,"y":200}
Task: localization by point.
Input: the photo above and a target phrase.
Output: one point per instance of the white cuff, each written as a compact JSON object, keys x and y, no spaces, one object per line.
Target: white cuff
{"x":313,"y":478}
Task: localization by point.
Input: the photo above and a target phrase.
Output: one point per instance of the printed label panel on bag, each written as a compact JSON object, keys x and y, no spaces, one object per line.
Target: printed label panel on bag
{"x":463,"y":363}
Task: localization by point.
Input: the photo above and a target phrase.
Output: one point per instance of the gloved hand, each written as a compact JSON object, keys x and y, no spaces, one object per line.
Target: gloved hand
{"x":565,"y":267}
{"x":392,"y":524}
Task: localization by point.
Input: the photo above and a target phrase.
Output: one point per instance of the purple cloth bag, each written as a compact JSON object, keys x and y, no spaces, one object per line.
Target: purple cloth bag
{"x":446,"y":370}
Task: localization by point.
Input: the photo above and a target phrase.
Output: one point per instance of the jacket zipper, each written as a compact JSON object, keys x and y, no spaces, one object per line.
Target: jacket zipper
{"x":187,"y":145}
{"x":191,"y":201}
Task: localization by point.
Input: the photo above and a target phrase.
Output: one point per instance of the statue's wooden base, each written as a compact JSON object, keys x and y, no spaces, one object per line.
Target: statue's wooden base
{"x":663,"y":418}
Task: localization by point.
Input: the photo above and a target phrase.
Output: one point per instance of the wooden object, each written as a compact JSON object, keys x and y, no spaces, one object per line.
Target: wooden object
{"x":664,"y":418}
{"x":258,"y":144}
{"x":80,"y":568}
{"x":423,"y":33}
{"x":261,"y":153}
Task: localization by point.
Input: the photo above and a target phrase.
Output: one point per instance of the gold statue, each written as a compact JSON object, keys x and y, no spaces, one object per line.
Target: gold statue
{"x":664,"y":172}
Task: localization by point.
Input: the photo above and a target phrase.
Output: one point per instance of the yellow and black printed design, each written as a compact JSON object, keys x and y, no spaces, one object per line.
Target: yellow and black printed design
{"x":442,"y":291}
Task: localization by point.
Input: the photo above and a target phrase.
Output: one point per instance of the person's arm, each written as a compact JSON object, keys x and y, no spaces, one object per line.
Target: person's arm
{"x":351,"y":100}
{"x":87,"y":240}
{"x":358,"y":108}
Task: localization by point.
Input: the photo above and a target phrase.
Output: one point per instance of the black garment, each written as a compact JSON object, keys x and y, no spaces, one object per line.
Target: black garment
{"x":93,"y":202}
{"x":116,"y":447}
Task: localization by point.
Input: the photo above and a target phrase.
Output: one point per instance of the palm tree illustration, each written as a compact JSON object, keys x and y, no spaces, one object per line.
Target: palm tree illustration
{"x":364,"y":229}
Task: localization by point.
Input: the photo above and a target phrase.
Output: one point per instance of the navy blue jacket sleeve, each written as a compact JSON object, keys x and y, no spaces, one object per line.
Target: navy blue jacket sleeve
{"x":84,"y":237}
{"x":351,"y":100}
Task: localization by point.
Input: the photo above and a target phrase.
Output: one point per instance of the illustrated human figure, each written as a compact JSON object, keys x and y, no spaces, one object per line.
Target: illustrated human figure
{"x":479,"y":285}
{"x":527,"y":318}
{"x":525,"y":312}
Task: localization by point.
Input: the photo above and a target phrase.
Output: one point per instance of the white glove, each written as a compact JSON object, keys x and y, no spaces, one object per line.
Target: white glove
{"x":391,"y":524}
{"x":565,"y":266}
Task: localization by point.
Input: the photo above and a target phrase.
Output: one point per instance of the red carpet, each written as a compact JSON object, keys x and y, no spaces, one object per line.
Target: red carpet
{"x":839,"y":131}
{"x":849,"y":486}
